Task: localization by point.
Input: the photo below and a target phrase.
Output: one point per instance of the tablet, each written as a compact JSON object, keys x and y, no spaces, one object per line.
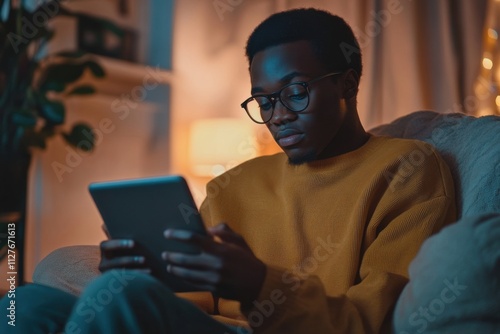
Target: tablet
{"x":142,"y":209}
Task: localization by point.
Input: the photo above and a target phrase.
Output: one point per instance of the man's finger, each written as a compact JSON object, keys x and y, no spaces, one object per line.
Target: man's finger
{"x":117,"y":244}
{"x":199,"y":261}
{"x":198,"y":277}
{"x":124,"y":262}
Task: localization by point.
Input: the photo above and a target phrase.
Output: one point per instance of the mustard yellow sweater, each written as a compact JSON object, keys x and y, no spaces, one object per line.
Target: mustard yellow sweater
{"x":337,"y":235}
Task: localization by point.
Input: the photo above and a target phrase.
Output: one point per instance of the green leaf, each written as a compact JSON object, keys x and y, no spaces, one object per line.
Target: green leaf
{"x":96,"y":69}
{"x":32,"y":138}
{"x":64,"y":73}
{"x":38,"y":138}
{"x":48,"y":130}
{"x":52,"y":111}
{"x":82,"y":90}
{"x":24,"y":117}
{"x":52,"y":86}
{"x":81,"y":133}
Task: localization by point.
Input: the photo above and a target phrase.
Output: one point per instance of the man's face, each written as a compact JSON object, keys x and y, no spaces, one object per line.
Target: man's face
{"x":310,"y":134}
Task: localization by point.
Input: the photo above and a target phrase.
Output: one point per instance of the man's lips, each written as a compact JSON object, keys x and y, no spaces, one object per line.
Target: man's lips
{"x":288,"y":137}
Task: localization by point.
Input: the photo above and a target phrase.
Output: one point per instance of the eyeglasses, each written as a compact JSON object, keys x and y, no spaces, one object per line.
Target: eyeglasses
{"x":294,"y":96}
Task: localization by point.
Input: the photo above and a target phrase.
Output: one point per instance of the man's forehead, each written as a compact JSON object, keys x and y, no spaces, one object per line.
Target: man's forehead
{"x":281,"y":63}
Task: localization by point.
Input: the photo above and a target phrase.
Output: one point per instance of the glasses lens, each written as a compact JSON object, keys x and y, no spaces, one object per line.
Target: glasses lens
{"x":295,"y":97}
{"x":260,"y":109}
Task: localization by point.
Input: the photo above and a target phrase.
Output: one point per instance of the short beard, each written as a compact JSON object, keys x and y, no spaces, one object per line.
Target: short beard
{"x":302,"y":160}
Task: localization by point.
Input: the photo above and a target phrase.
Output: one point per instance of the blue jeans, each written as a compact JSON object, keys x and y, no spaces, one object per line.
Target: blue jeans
{"x":115,"y":302}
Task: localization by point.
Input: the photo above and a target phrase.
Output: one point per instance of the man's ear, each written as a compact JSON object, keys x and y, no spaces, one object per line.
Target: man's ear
{"x":351,"y":82}
{"x":350,"y":93}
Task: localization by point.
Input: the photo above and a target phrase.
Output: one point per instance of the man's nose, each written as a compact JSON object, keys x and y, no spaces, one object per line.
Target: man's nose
{"x":282,"y":114}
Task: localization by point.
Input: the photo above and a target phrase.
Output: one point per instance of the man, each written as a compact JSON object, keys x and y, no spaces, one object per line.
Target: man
{"x":316,"y":239}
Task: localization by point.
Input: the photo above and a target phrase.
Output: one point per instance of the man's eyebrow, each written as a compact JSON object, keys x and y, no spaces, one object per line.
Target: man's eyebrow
{"x":285,"y":80}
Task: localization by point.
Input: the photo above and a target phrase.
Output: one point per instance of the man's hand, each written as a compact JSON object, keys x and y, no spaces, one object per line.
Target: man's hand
{"x":123,"y":254}
{"x":227,"y":268}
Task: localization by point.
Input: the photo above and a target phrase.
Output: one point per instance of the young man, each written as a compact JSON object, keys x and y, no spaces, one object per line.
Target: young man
{"x":316,"y":239}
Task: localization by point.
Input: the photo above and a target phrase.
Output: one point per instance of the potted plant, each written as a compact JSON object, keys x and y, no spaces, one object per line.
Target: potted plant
{"x":32,"y":85}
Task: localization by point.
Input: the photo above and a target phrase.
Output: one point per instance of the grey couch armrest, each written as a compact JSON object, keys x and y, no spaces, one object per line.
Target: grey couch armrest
{"x":69,"y":268}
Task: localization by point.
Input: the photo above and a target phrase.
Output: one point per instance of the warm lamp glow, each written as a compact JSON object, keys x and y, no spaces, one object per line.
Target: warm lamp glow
{"x":219,"y":144}
{"x":487,"y":63}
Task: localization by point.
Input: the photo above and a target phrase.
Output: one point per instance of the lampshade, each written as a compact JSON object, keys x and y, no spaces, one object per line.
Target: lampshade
{"x":218,"y":144}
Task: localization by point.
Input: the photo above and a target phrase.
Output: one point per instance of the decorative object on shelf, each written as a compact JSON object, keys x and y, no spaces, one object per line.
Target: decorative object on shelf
{"x":31,"y":110}
{"x":103,"y":38}
{"x":487,"y":86}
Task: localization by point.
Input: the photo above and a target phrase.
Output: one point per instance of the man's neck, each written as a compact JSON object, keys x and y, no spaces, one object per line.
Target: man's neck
{"x":350,"y":137}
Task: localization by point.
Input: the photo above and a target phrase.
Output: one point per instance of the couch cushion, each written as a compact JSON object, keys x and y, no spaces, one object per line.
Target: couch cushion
{"x":469,"y":145}
{"x":454,"y":281}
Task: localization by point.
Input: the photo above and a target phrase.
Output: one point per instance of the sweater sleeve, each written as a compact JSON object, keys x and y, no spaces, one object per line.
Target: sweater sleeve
{"x":287,"y":304}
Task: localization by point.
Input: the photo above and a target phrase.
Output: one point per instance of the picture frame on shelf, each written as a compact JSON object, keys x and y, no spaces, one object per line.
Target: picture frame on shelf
{"x":97,"y":36}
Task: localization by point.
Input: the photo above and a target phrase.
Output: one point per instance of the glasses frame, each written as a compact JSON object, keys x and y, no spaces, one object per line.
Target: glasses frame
{"x":276,"y":96}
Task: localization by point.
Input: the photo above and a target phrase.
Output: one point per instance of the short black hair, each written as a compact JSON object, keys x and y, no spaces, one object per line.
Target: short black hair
{"x":332,"y":39}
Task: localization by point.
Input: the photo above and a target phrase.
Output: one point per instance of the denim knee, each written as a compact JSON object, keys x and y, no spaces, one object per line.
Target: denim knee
{"x":35,"y":308}
{"x":117,"y":285}
{"x":114,"y":298}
